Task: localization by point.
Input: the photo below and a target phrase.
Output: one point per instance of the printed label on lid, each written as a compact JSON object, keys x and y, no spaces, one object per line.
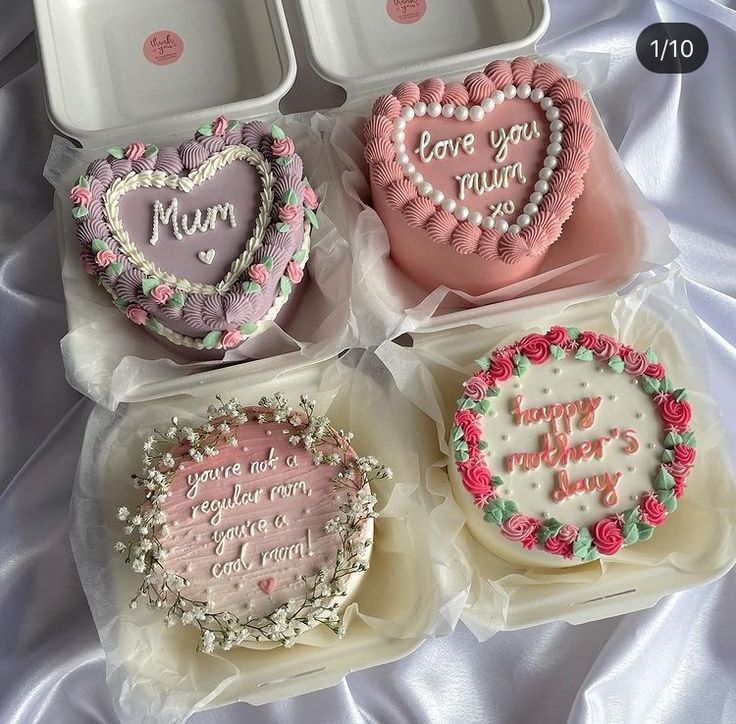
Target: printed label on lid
{"x":163,"y":47}
{"x":406,"y":12}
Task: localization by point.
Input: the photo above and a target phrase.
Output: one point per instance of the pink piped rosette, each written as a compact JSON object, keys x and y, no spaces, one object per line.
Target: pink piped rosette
{"x":214,"y":321}
{"x":449,"y":223}
{"x":609,"y":534}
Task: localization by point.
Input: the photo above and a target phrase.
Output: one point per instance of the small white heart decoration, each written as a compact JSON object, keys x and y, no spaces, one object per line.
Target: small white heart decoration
{"x":206,"y":257}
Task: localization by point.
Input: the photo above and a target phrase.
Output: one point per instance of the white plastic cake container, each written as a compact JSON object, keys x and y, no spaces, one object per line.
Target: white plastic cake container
{"x":502,"y":596}
{"x":414,"y":587}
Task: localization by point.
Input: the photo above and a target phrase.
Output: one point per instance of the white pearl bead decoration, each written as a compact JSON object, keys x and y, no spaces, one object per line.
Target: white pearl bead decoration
{"x":462,"y":113}
{"x":536,"y":198}
{"x":477,"y":114}
{"x":489,"y":223}
{"x":448,"y":110}
{"x":420,"y":109}
{"x":556,"y":125}
{"x":426,"y":189}
{"x":437,"y":197}
{"x":523,"y":220}
{"x":530,"y":209}
{"x":544,"y":104}
{"x":524,"y":90}
{"x":509,"y":91}
{"x":541,"y":186}
{"x":462,"y":213}
{"x":449,"y":205}
{"x":536,"y":95}
{"x":545,"y":173}
{"x":417,"y":178}
{"x":502,"y":225}
{"x":487,"y":105}
{"x":407,"y":113}
{"x":498,"y":97}
{"x":434,"y":110}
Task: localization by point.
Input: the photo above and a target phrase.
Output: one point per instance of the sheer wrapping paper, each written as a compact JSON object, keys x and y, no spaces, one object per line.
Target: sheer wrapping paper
{"x":52,"y":667}
{"x":413,"y":589}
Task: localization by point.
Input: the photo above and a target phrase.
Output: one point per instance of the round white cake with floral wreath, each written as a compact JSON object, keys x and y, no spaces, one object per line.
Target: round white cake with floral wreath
{"x":568,"y":446}
{"x":255,"y":526}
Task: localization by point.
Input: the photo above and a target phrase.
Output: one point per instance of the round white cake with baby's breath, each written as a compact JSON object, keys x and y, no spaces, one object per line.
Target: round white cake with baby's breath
{"x":255,"y":526}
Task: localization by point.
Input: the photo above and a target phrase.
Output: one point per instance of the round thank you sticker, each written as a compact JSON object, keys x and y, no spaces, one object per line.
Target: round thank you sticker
{"x":406,"y":11}
{"x":163,"y":47}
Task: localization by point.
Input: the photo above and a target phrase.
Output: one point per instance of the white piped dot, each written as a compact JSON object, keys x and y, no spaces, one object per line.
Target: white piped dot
{"x":535,"y":486}
{"x":611,"y":397}
{"x":557,"y":370}
{"x":546,"y":390}
{"x":584,"y":508}
{"x":504,"y":437}
{"x":517,"y":385}
{"x":434,"y":110}
{"x":639,"y":415}
{"x":477,"y":113}
{"x":545,"y":514}
{"x":632,"y":469}
{"x":461,"y":113}
{"x":632,"y":497}
{"x":651,"y":445}
{"x":269,"y":433}
{"x":585,"y":384}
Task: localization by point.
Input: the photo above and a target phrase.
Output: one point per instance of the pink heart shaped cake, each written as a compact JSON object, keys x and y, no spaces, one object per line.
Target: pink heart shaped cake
{"x":201,"y":244}
{"x":568,"y":446}
{"x":255,"y":526}
{"x":475,"y":180}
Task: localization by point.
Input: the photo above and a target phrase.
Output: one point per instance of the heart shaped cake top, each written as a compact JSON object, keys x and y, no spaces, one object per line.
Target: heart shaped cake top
{"x":255,"y":526}
{"x":573,"y":443}
{"x":200,"y":243}
{"x":491,"y":166}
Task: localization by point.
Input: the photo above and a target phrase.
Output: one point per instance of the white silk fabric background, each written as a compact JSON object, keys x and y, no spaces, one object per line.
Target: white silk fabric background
{"x":673,"y":663}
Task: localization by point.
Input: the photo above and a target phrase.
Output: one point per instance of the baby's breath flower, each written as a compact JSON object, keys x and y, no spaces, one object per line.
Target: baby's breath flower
{"x":123,"y":513}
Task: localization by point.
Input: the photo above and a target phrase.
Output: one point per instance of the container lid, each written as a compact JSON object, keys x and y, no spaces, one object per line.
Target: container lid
{"x":118,"y":70}
{"x":366,"y":45}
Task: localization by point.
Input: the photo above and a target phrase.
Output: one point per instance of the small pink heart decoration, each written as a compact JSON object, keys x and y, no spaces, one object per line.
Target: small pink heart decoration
{"x":267,"y":585}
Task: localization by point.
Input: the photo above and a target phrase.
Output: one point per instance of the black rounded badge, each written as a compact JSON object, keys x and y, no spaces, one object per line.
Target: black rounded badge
{"x":672,"y":48}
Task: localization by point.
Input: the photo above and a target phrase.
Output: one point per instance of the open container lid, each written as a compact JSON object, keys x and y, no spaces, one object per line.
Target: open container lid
{"x":119,"y":70}
{"x":367,"y":45}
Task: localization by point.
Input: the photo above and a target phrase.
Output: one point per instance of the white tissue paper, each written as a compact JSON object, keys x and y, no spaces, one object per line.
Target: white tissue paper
{"x":414,"y":588}
{"x":697,"y":545}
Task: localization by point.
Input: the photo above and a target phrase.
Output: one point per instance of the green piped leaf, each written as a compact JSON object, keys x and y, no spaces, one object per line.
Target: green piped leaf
{"x":663,"y":480}
{"x":493,"y":392}
{"x":290,"y":197}
{"x":120,"y":303}
{"x":285,"y":285}
{"x":672,"y":439}
{"x":680,"y":394}
{"x":205,"y":129}
{"x":151,"y":150}
{"x":631,"y":534}
{"x":689,"y":438}
{"x":650,"y":385}
{"x":668,"y":499}
{"x":665,"y":385}
{"x":268,"y":263}
{"x":231,"y":126}
{"x":149,"y":284}
{"x":582,"y":544}
{"x":284,"y":160}
{"x":98,"y":245}
{"x":631,"y":516}
{"x":461,"y":451}
{"x":483,"y":445}
{"x":496,"y":481}
{"x":521,"y":364}
{"x":83,"y":181}
{"x":116,"y":152}
{"x":557,"y":351}
{"x":645,"y":531}
{"x":573,"y":332}
{"x":593,"y":555}
{"x":309,"y":213}
{"x":500,"y":510}
{"x":550,"y":528}
{"x":300,"y":256}
{"x":79,"y":212}
{"x":483,"y":406}
{"x":467,"y":404}
{"x":457,"y":432}
{"x":616,"y":364}
{"x":668,"y":456}
{"x":583,"y":354}
{"x":114,"y":270}
{"x":155,"y":325}
{"x":277,"y":133}
{"x":651,"y":356}
{"x":176,"y":301}
{"x":282,"y":228}
{"x":247,"y":329}
{"x":212,"y":339}
{"x":484,"y":363}
{"x":251,"y":287}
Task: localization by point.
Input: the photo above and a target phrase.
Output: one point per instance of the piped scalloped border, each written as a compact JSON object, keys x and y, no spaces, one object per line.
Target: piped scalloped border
{"x":610,"y":533}
{"x":276,"y":250}
{"x":446,"y":221}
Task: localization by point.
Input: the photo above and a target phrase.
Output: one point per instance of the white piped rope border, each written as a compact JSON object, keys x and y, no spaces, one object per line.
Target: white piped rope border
{"x":476,"y":114}
{"x":159,"y":179}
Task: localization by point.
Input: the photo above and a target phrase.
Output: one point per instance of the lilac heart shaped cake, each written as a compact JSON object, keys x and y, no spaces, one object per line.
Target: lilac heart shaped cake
{"x":201,"y":244}
{"x":475,"y":180}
